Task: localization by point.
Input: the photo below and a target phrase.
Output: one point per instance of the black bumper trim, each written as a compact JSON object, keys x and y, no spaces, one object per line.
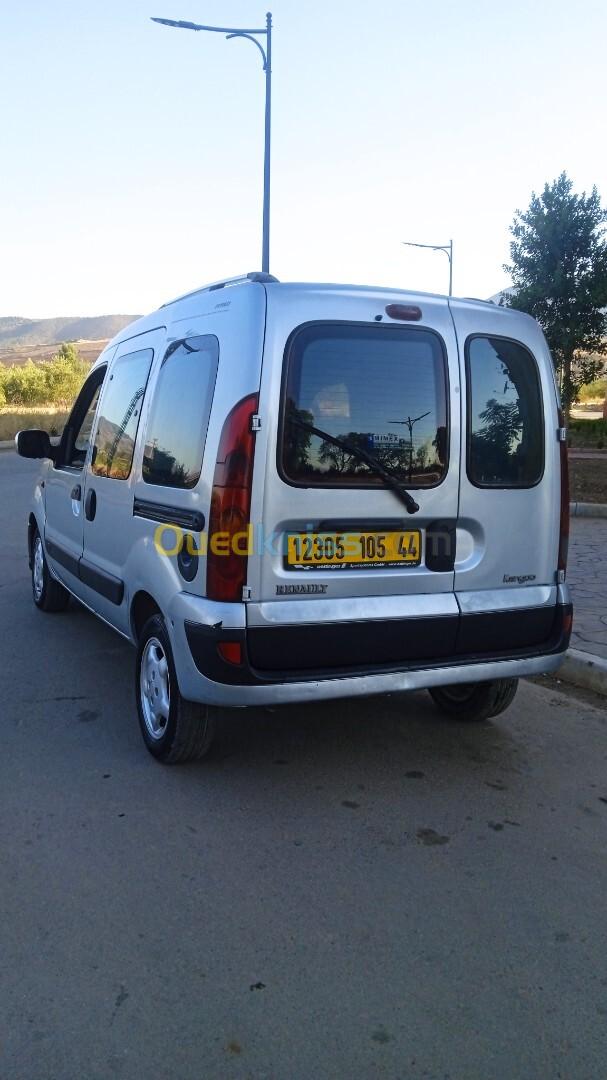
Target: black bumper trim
{"x":542,"y":632}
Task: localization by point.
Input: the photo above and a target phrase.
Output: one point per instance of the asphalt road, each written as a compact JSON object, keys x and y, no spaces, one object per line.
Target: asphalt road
{"x":346,"y":891}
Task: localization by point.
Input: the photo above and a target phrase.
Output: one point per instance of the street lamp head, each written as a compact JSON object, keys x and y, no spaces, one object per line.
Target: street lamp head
{"x":181,"y":25}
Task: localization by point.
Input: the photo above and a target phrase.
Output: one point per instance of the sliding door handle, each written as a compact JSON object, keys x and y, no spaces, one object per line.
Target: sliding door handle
{"x":90,"y":504}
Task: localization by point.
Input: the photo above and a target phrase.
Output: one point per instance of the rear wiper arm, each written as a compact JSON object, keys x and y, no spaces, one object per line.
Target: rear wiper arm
{"x":390,"y":478}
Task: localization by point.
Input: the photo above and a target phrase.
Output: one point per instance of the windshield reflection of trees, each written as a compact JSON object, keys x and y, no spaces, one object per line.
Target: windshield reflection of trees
{"x":162,"y":467}
{"x":306,"y":455}
{"x":499,"y":444}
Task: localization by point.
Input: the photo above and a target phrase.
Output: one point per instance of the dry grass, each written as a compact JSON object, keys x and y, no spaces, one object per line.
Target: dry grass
{"x":47,"y":417}
{"x":20,"y":354}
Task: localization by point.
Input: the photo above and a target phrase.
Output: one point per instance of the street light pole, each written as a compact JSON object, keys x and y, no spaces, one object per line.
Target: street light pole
{"x":410,"y":424}
{"x":265,"y":257}
{"x":447,"y":248}
{"x":250,"y":35}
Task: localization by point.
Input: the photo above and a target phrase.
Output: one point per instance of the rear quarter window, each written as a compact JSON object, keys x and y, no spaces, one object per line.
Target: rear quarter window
{"x":382,"y":389}
{"x":505,"y":414}
{"x":179,"y":416}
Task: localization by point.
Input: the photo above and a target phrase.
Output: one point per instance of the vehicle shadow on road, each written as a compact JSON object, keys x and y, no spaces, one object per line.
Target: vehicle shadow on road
{"x":398,"y":737}
{"x":392,"y":738}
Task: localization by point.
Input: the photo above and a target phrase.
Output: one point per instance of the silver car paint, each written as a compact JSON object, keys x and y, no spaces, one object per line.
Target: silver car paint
{"x":514,"y":532}
{"x":509,"y":533}
{"x":282,"y":507}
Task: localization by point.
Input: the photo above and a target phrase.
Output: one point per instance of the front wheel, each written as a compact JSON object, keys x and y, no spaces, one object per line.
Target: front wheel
{"x":475,"y":701}
{"x":48,"y":594}
{"x":174,"y":730}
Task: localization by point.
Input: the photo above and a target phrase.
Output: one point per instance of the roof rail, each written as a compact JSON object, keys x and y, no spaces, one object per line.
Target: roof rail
{"x":257,"y":276}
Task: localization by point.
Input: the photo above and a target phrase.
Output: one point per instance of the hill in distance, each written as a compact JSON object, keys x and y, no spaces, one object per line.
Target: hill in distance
{"x":15,"y":331}
{"x":37,"y":339}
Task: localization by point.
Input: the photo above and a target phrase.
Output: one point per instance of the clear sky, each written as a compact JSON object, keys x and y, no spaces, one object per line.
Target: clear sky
{"x":132,"y":153}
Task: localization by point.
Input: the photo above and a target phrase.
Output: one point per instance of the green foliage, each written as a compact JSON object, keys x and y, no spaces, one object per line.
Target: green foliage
{"x":594,"y":391}
{"x":50,"y":382}
{"x":559,"y":271}
{"x":24,"y":384}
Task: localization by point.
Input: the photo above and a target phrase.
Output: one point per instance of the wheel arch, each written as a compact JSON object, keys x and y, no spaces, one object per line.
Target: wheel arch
{"x":143,"y":606}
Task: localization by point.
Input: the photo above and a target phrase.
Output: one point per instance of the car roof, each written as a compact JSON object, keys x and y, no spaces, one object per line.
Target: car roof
{"x":169,"y":311}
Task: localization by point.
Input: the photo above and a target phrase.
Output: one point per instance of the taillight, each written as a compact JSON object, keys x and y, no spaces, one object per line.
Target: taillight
{"x":564,"y":528}
{"x":231,"y":504}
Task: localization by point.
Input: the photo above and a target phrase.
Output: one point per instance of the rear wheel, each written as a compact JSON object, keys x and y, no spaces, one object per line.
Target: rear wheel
{"x":174,"y":730}
{"x":48,"y":594}
{"x":475,"y":701}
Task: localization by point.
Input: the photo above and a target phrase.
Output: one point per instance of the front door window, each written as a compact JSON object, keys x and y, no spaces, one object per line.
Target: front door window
{"x":119,"y":415}
{"x":76,"y":436}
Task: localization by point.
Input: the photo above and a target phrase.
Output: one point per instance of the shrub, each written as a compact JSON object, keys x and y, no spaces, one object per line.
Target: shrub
{"x":50,"y":382}
{"x":24,"y":384}
{"x":594,"y":391}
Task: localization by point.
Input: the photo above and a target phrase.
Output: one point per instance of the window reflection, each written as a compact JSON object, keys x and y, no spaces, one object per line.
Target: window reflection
{"x":378,"y":389}
{"x":119,"y":417}
{"x":177,"y":427}
{"x":505,"y":424}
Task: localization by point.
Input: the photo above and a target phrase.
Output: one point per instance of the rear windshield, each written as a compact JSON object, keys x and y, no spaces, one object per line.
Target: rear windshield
{"x":382,"y":389}
{"x":505,"y":417}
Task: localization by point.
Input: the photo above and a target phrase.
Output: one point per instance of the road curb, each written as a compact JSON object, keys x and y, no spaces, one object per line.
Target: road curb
{"x":582,"y":509}
{"x":585,"y":670}
{"x":9,"y":445}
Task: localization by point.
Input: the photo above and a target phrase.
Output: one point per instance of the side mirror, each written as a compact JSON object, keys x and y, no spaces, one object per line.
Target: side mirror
{"x":34,"y":443}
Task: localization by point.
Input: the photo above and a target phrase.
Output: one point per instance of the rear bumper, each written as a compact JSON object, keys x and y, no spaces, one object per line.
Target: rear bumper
{"x":298,"y":663}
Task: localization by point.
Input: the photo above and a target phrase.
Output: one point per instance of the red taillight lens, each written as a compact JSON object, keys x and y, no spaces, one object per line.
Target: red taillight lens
{"x":564,"y":532}
{"x":231,"y":505}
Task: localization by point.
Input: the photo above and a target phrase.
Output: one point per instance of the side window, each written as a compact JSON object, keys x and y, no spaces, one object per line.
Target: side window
{"x":77,"y":432}
{"x":119,"y":415}
{"x":505,"y":415}
{"x":83,"y":437}
{"x":179,"y":417}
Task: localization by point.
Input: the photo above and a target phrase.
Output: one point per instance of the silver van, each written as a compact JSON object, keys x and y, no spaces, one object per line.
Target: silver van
{"x":286,"y":492}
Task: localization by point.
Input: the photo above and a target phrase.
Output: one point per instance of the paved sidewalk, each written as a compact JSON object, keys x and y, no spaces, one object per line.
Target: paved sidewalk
{"x":587,"y":577}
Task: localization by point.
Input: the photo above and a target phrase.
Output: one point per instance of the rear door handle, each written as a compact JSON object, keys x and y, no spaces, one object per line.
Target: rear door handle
{"x":76,"y":493}
{"x":90,"y":504}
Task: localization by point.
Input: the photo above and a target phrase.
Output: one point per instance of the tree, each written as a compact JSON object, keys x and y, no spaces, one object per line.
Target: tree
{"x":559,"y":272}
{"x":64,"y":375}
{"x":297,"y":440}
{"x":69,"y":352}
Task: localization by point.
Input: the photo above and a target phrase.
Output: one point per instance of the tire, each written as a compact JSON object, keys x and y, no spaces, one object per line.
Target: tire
{"x":48,"y":594}
{"x":473,"y":702}
{"x":173,"y":729}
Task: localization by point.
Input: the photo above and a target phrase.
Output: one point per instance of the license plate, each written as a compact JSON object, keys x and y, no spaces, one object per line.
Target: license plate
{"x":353,"y":550}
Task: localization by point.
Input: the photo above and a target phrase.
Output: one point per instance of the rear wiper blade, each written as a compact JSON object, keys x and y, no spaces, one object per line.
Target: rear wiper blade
{"x":391,"y":479}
